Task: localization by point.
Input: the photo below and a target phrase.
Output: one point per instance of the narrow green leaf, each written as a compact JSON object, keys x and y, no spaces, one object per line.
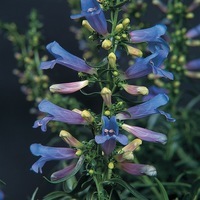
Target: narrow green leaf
{"x":162,"y":189}
{"x":128,"y":187}
{"x":55,"y":195}
{"x":34,"y":194}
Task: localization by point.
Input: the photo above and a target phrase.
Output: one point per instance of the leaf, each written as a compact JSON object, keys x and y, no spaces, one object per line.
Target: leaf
{"x":195,"y":191}
{"x":162,"y":189}
{"x":82,"y":184}
{"x":55,"y":195}
{"x":128,"y":187}
{"x":34,"y":194}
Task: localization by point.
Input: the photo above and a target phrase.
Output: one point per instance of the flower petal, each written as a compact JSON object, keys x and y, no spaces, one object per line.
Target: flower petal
{"x":144,"y":109}
{"x":145,"y":134}
{"x":57,"y":113}
{"x":137,"y":169}
{"x":148,"y":34}
{"x":65,"y":58}
{"x":108,"y":146}
{"x":50,"y":153}
{"x":193,"y":65}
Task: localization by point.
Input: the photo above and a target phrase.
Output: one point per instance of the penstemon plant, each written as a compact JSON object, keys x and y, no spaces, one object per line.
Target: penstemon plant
{"x":95,"y":165}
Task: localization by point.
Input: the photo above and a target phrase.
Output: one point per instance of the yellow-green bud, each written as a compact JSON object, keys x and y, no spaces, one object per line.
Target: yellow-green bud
{"x":107,"y":113}
{"x":169,"y":16}
{"x":79,"y":152}
{"x":117,"y":37}
{"x":112,"y":59}
{"x":134,"y":51}
{"x":111,"y":165}
{"x":119,"y":28}
{"x":106,"y":44}
{"x":86,"y":24}
{"x":106,"y":95}
{"x":176,"y":83}
{"x":115,"y":73}
{"x":189,"y":15}
{"x":91,"y":172}
{"x":87,"y":116}
{"x":126,"y":22}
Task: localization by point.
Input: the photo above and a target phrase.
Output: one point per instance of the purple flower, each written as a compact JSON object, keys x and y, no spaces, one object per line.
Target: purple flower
{"x":92,"y":11}
{"x":153,"y":91}
{"x":1,"y":195}
{"x":147,"y":108}
{"x":110,"y":133}
{"x":193,"y":65}
{"x":50,"y":153}
{"x":145,"y":134}
{"x":67,"y":88}
{"x":150,"y":64}
{"x":137,"y":169}
{"x":55,"y":153}
{"x":148,"y":34}
{"x":65,"y":58}
{"x":56,"y":113}
{"x":194,"y":32}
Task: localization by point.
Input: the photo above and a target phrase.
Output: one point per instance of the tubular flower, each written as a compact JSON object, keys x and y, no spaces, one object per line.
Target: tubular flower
{"x":147,"y":108}
{"x":56,"y":113}
{"x":148,"y":34}
{"x":67,"y":88}
{"x":135,"y":90}
{"x":145,"y":134}
{"x":53,"y":153}
{"x":153,"y":91}
{"x":193,"y":65}
{"x":137,"y":169}
{"x":145,"y":66}
{"x":91,"y":10}
{"x":65,"y":58}
{"x":194,"y":32}
{"x":110,"y":133}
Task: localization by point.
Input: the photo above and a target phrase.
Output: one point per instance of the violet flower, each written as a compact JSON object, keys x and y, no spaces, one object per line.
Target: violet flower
{"x":54,"y":153}
{"x":65,"y":58}
{"x":91,"y":10}
{"x":137,"y":169}
{"x":145,"y":66}
{"x":110,"y":133}
{"x":153,"y":91}
{"x":193,"y":65}
{"x":56,"y":113}
{"x":67,"y":88}
{"x":50,"y":153}
{"x":147,"y":108}
{"x":193,"y":32}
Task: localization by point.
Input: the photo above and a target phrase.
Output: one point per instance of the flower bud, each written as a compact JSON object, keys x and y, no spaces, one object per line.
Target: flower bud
{"x":119,"y":28}
{"x":106,"y":44}
{"x":112,"y":59}
{"x":135,"y":90}
{"x":111,"y":165}
{"x":106,"y":95}
{"x":86,"y":24}
{"x":69,"y":139}
{"x":134,"y":51}
{"x":87,"y":116}
{"x":132,"y":145}
{"x":126,"y":22}
{"x":79,"y":152}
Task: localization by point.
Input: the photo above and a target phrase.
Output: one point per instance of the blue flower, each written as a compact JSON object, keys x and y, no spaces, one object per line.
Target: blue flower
{"x":55,"y":153}
{"x":65,"y":58}
{"x":110,"y":133}
{"x":153,"y":91}
{"x":92,"y":11}
{"x":50,"y":153}
{"x":147,"y":108}
{"x":57,"y":113}
{"x":150,"y":64}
